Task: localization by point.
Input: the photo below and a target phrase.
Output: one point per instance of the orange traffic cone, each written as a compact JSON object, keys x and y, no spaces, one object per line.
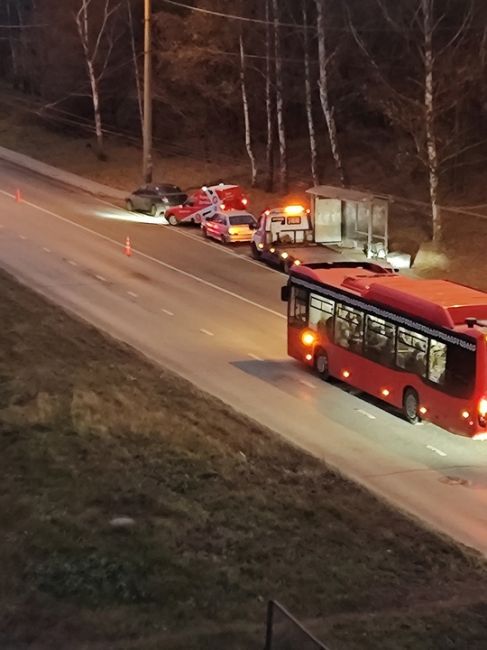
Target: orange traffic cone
{"x":128,"y":247}
{"x":18,"y":198}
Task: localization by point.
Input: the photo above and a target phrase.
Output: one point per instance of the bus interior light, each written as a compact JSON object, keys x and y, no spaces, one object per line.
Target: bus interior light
{"x":307,"y":338}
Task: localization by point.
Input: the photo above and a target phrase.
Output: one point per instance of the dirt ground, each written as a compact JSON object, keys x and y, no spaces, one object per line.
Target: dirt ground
{"x":223,"y":516}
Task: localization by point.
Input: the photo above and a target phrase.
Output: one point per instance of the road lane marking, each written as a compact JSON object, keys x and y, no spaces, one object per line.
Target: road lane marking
{"x":207,"y":332}
{"x":436,"y":450}
{"x":101,"y":278}
{"x":73,"y":263}
{"x":186,"y":274}
{"x":307,"y":383}
{"x":167,"y":312}
{"x":254,"y":356}
{"x":47,"y":250}
{"x":132,"y":294}
{"x":367,"y":415}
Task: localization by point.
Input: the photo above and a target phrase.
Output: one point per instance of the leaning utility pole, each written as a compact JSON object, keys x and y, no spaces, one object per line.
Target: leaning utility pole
{"x":147,"y":130}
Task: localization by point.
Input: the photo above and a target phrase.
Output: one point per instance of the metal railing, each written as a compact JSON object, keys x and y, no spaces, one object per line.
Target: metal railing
{"x":284,"y":632}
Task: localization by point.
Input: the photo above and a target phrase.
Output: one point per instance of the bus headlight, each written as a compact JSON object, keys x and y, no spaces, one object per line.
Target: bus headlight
{"x":308,"y":338}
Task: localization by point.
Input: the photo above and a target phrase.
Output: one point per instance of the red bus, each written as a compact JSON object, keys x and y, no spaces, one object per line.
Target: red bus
{"x":419,"y":345}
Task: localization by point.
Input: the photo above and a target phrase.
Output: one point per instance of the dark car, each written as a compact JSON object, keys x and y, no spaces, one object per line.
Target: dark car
{"x":155,"y":198}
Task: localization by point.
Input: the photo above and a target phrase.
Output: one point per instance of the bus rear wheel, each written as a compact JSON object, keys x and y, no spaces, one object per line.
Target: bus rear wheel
{"x":410,"y":406}
{"x":322,"y":365}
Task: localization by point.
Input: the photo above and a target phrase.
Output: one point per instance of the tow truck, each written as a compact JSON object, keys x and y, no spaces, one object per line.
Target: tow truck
{"x":206,"y":202}
{"x":341,"y":225}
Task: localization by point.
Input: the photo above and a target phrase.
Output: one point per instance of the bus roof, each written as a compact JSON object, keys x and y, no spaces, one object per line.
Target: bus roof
{"x":440,"y":302}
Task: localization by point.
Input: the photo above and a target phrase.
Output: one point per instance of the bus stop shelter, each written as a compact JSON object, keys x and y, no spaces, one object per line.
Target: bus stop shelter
{"x":350,"y":219}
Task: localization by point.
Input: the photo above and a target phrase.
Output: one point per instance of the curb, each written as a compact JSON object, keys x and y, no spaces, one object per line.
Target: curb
{"x":92,"y":187}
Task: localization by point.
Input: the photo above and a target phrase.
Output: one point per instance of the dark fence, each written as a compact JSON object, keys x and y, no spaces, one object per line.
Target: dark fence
{"x":284,"y":632}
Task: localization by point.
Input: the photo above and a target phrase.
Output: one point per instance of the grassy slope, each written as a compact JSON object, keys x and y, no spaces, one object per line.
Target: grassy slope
{"x":226,"y":515}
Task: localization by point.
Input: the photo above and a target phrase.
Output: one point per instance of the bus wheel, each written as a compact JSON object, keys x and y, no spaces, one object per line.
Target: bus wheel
{"x":172,"y":220}
{"x":321,"y":364}
{"x":410,"y":406}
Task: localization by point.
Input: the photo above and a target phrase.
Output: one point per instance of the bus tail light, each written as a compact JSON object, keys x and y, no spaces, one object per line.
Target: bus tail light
{"x":483,"y":412}
{"x":308,"y":338}
{"x":244,"y":201}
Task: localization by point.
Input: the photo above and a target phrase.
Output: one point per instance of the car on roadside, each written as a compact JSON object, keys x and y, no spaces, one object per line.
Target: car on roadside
{"x":230,"y":227}
{"x":155,"y":198}
{"x":206,"y":201}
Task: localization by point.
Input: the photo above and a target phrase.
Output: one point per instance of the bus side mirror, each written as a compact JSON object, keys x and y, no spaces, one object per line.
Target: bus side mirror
{"x":285,"y":293}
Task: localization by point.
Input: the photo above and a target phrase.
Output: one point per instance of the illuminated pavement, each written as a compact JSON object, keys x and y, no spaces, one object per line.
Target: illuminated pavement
{"x":215,"y":317}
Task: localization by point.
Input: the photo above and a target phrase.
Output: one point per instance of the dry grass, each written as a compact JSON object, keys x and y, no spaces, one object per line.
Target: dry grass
{"x":225,"y":515}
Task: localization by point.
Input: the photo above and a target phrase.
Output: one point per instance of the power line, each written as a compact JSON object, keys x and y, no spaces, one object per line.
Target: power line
{"x":244,"y":19}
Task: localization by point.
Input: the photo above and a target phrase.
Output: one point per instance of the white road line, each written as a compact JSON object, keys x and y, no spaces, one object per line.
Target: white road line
{"x":152,"y":259}
{"x":101,"y":278}
{"x":207,"y":332}
{"x":254,"y":356}
{"x":22,"y":237}
{"x":307,"y":383}
{"x":47,"y":250}
{"x":132,"y":294}
{"x":167,"y":312}
{"x":73,"y":263}
{"x":436,"y":450}
{"x":367,"y":415}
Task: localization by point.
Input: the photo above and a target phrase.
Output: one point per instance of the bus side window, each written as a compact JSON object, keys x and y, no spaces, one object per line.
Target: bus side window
{"x":437,"y":362}
{"x":349,"y":331}
{"x":411,"y":351}
{"x":298,"y":306}
{"x":321,"y":311}
{"x":379,"y":340}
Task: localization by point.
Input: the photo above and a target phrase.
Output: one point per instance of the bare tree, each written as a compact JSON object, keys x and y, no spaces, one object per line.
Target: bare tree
{"x":268,"y":102}
{"x":425,"y":104}
{"x":309,"y":101}
{"x":96,"y":63}
{"x":281,"y":128}
{"x":326,"y":105}
{"x":245,"y":106}
{"x":138,"y":85}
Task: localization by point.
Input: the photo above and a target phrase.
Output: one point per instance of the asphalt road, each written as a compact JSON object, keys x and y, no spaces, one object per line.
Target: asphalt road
{"x":214,"y":316}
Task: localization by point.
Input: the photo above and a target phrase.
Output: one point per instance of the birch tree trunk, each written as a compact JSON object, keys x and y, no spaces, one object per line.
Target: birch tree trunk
{"x":429,"y":106}
{"x":324,"y":91}
{"x":91,"y":44}
{"x":245,"y":106}
{"x":12,"y":45}
{"x":281,"y":128}
{"x":309,"y":102}
{"x":268,"y":103}
{"x":138,"y":85}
